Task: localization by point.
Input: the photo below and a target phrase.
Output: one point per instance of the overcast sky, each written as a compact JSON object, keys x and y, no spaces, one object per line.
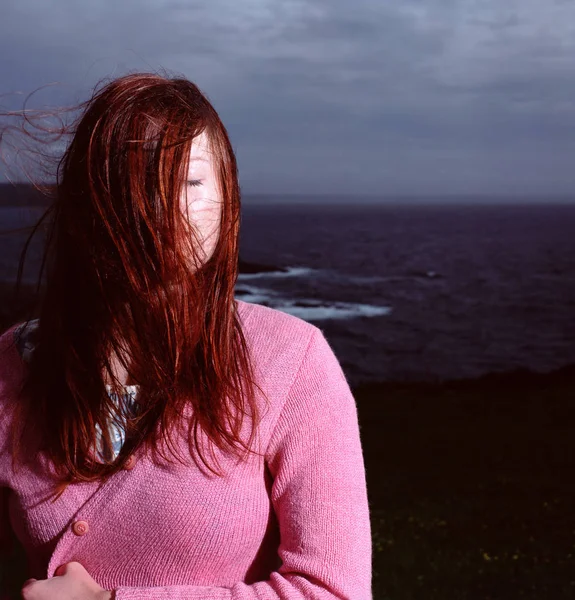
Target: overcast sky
{"x":334,"y":96}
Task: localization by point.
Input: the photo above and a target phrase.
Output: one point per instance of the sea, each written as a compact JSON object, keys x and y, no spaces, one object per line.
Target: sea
{"x":425,"y":291}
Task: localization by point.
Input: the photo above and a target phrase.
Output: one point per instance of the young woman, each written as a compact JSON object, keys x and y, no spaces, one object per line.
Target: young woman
{"x":142,"y":363}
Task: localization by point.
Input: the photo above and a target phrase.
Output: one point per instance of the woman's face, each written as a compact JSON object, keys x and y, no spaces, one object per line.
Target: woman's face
{"x":201,"y":200}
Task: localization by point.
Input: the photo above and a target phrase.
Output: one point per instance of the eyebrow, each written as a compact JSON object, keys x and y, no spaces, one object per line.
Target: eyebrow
{"x":198,"y":158}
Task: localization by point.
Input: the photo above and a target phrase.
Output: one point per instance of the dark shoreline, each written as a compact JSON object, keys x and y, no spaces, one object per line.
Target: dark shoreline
{"x":13,"y":310}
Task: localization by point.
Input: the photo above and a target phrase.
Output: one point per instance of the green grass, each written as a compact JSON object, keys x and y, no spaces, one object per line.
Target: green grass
{"x":472,"y":489}
{"x":465,"y":548}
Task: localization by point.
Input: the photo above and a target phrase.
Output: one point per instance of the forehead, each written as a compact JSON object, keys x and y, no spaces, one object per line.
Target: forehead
{"x":200,"y":148}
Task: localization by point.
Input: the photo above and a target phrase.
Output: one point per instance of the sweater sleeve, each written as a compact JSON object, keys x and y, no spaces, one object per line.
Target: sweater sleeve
{"x":12,"y":559}
{"x":5,"y":529}
{"x":13,"y":566}
{"x":6,"y":546}
{"x":319,"y":495}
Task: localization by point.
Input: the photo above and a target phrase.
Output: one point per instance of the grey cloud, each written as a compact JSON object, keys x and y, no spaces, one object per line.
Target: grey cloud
{"x":374,"y":97}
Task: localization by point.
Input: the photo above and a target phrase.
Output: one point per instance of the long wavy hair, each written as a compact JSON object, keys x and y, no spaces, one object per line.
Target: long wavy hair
{"x":120,"y":282}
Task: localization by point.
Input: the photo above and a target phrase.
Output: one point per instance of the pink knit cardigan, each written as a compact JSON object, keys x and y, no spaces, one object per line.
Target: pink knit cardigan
{"x":291,"y":525}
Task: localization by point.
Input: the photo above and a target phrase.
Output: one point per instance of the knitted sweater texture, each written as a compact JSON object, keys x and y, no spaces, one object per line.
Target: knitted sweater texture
{"x":291,"y":524}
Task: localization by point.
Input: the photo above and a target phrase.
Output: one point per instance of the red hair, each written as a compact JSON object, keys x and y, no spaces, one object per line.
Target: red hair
{"x":119,"y":281}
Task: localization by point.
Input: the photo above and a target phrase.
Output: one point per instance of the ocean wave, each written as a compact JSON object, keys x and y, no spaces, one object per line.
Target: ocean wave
{"x":321,"y":311}
{"x":310,"y":309}
{"x":289,"y":272}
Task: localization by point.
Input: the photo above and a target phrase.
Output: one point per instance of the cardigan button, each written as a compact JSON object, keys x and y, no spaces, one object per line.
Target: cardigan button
{"x":80,"y":527}
{"x":130,"y":463}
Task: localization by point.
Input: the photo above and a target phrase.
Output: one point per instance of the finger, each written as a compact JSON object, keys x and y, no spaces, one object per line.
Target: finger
{"x":66,"y":568}
{"x":25,"y":586}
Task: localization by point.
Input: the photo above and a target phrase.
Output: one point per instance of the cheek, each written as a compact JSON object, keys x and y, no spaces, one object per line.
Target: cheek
{"x":205,"y":215}
{"x":204,"y":211}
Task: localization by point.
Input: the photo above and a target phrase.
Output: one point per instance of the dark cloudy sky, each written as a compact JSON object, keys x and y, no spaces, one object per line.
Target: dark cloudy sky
{"x":335,"y":96}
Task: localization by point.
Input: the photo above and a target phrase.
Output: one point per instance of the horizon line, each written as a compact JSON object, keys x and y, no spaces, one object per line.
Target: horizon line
{"x":381,"y":195}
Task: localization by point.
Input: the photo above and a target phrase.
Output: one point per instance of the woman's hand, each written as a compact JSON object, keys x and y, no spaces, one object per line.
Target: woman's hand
{"x":70,"y":582}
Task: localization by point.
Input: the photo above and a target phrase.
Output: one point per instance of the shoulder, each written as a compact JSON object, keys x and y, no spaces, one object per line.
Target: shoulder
{"x":290,"y":344}
{"x":12,"y":368}
{"x":24,"y":337}
{"x":278,"y":342}
{"x":273,"y":331}
{"x":16,"y":344}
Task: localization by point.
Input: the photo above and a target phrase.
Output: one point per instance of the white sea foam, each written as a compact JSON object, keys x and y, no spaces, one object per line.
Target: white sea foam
{"x":335,"y":310}
{"x":307,"y":271}
{"x":314,"y":310}
{"x":305,"y":308}
{"x":256,"y":295}
{"x":291,"y":272}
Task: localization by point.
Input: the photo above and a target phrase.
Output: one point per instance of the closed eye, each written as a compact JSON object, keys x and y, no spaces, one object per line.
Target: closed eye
{"x":194,"y":182}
